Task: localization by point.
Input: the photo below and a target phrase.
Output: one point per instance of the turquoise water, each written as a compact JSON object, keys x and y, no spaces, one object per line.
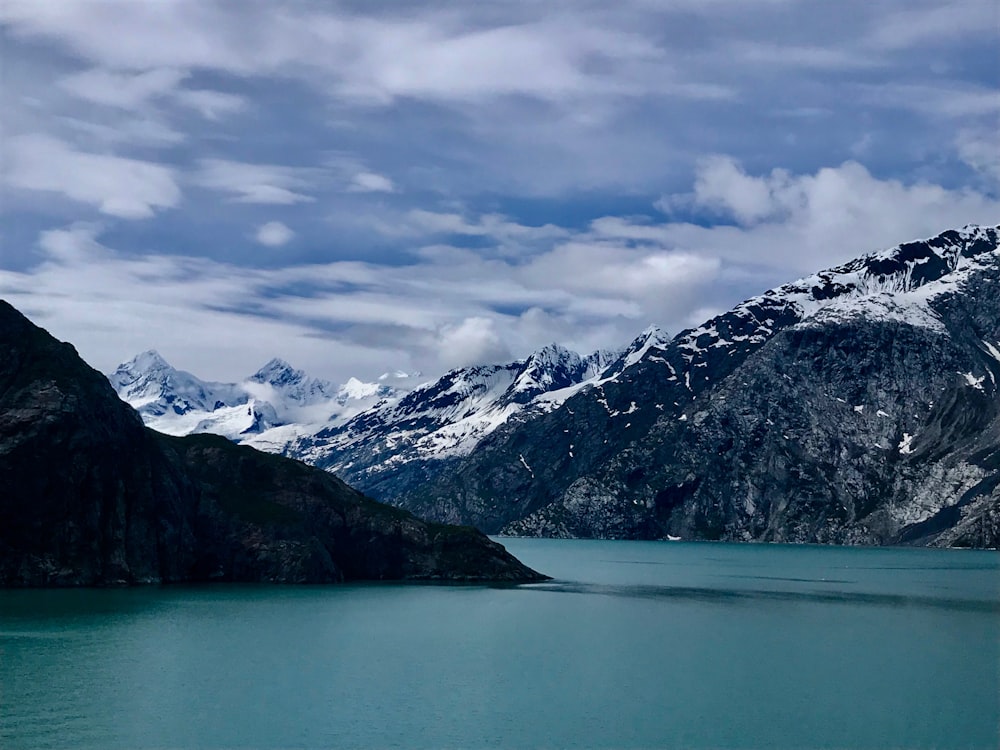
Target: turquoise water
{"x":635,"y":644}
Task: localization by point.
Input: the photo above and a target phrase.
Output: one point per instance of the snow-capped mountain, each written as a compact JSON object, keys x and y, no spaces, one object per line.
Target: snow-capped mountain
{"x":859,"y":404}
{"x":447,"y":418}
{"x":162,"y":393}
{"x":366,"y":432}
{"x":269,"y":409}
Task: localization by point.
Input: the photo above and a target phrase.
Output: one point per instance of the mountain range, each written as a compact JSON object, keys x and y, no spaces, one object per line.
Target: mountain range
{"x":93,"y":497}
{"x":856,"y":405}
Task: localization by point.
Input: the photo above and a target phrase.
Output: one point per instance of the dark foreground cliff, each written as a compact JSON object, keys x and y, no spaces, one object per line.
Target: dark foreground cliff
{"x":89,"y":496}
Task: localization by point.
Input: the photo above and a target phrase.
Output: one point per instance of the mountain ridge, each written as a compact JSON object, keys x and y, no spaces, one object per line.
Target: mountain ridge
{"x":620,"y":472}
{"x":495,"y":445}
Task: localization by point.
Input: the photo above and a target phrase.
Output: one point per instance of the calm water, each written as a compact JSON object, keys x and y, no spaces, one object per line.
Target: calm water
{"x":635,"y":644}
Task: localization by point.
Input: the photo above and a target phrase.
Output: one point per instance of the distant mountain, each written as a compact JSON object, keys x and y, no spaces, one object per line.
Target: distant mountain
{"x":277,"y":395}
{"x":857,"y":405}
{"x":377,"y":435}
{"x":92,"y":497}
{"x":156,"y":389}
{"x":402,"y":441}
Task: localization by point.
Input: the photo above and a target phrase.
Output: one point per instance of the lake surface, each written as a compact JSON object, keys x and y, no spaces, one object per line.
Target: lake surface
{"x":634,"y":644}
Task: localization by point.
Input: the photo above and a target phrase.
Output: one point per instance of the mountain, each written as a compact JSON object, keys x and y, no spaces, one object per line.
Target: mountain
{"x":382,"y":437}
{"x":92,"y":497}
{"x":176,"y":402}
{"x":400,"y":443}
{"x":156,"y":389}
{"x":857,"y":405}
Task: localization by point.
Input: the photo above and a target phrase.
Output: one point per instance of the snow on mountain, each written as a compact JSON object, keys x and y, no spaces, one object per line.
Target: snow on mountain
{"x":157,"y":390}
{"x":290,"y":386}
{"x":447,"y":418}
{"x":276,"y":397}
{"x":366,"y":427}
{"x":894,"y":284}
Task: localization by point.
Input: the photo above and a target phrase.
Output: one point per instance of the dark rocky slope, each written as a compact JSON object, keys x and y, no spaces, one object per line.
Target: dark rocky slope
{"x":89,"y":496}
{"x":859,"y":405}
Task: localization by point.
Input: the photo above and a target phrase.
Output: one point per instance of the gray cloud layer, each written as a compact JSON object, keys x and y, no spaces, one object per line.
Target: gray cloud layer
{"x":430,"y":184}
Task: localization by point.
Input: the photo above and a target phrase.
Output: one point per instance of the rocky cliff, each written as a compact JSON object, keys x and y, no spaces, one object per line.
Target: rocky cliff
{"x":89,"y":496}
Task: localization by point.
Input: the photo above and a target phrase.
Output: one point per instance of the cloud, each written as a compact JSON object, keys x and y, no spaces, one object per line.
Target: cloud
{"x":117,"y":186}
{"x":370,"y":182}
{"x":980,"y":149}
{"x":212,"y":105}
{"x":256,"y":183}
{"x":516,"y":290}
{"x":473,"y":341}
{"x":447,"y":309}
{"x":526,"y":99}
{"x":124,"y":90}
{"x":937,"y":100}
{"x":722,"y":184}
{"x":421,"y":221}
{"x":805,"y":222}
{"x":377,"y":58}
{"x":449,"y":162}
{"x":273,"y":234}
{"x":934,"y":23}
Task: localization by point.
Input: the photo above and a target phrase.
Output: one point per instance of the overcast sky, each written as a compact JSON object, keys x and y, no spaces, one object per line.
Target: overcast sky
{"x":364,"y":186}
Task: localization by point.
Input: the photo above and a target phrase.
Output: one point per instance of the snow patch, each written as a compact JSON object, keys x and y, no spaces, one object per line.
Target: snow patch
{"x":973,"y":381}
{"x":904,"y":444}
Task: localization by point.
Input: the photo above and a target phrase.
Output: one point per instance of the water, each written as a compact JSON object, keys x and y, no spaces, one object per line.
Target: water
{"x":635,"y":644}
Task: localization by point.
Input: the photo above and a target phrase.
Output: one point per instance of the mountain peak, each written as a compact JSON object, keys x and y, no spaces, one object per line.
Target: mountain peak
{"x":147,"y":361}
{"x":550,"y":353}
{"x":357,"y":389}
{"x":277,"y":372}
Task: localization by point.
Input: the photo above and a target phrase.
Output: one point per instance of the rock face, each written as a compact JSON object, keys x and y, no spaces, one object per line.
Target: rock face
{"x":90,"y":497}
{"x":859,"y":405}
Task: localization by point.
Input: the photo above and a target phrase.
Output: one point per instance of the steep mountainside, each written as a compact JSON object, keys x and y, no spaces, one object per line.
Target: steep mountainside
{"x":859,"y":405}
{"x":91,"y":496}
{"x":399,"y":443}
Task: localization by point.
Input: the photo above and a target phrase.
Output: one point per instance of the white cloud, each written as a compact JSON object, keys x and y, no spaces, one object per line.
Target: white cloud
{"x":933,"y":23}
{"x":451,"y":306}
{"x":722,"y":184}
{"x":124,"y":90}
{"x":137,"y":91}
{"x":532,"y":99}
{"x":448,"y":309}
{"x":370,"y":182}
{"x":806,"y":222}
{"x":472,"y":341}
{"x":429,"y":54}
{"x":980,"y":149}
{"x":256,"y":183}
{"x":938,"y":100}
{"x":212,"y":105}
{"x":274,"y":234}
{"x":117,"y":186}
{"x":421,"y":221}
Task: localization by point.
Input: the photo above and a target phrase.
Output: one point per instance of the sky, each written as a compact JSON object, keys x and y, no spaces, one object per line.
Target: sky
{"x":361,"y":187}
